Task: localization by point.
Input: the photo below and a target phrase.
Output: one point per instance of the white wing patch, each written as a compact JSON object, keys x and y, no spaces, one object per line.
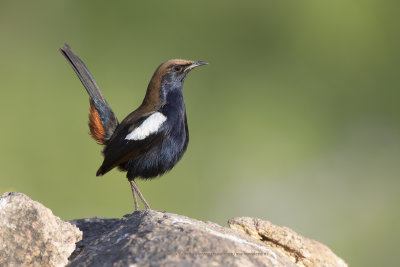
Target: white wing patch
{"x":148,"y":127}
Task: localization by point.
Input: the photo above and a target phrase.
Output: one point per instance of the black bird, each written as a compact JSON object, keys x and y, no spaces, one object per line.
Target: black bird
{"x":151,"y":139}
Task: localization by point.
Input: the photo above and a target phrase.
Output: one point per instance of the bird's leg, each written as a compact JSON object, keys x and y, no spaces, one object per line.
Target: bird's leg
{"x":135,"y":199}
{"x":135,"y":189}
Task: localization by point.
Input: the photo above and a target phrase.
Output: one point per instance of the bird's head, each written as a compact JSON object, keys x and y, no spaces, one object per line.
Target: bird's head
{"x":174,"y":71}
{"x":170,"y":76}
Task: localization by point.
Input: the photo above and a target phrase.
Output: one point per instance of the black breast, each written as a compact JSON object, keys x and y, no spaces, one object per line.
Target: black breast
{"x":163,"y":157}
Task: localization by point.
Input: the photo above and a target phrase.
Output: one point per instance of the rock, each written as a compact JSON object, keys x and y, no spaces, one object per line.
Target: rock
{"x":154,"y":238}
{"x":302,"y":251}
{"x":30,"y":235}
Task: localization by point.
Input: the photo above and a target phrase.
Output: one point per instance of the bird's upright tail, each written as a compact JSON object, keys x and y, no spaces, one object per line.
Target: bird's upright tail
{"x":102,"y":120}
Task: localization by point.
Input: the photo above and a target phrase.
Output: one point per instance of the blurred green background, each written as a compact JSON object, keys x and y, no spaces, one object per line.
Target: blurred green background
{"x":295,"y":120}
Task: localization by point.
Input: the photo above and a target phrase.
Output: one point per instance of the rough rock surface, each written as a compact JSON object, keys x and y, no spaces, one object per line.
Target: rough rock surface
{"x":30,"y":235}
{"x":154,"y":238}
{"x":302,"y":251}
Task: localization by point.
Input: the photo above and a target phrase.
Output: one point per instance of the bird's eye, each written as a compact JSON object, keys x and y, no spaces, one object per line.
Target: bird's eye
{"x":178,"y":68}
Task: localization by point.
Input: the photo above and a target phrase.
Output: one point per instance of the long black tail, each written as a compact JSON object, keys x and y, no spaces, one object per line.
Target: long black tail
{"x":102,"y":120}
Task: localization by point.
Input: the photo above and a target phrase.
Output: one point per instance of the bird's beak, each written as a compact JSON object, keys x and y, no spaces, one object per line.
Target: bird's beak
{"x":194,"y":65}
